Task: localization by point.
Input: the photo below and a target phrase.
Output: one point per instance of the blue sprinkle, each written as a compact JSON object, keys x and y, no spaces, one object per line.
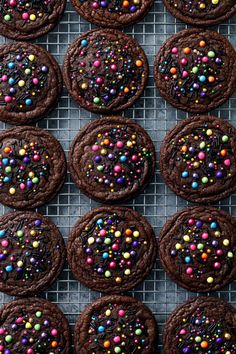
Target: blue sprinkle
{"x":11,"y":81}
{"x":6,"y":179}
{"x":187,"y":259}
{"x":9,"y":268}
{"x":123,"y":158}
{"x":2,"y":233}
{"x":202,"y":78}
{"x":101,"y":329}
{"x":28,"y":102}
{"x":99,"y":221}
{"x":5,"y":161}
{"x":213,"y":225}
{"x":11,"y":65}
{"x":84,"y":42}
{"x":194,"y":185}
{"x":105,"y":255}
{"x":185,"y":174}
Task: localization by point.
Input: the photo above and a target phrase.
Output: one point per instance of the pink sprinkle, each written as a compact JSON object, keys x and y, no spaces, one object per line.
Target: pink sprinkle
{"x":112,"y":265}
{"x":25,"y":16}
{"x":30,"y":351}
{"x":4,"y":77}
{"x":36,"y":157}
{"x":191,"y":222}
{"x":89,"y":261}
{"x":54,"y":332}
{"x":99,"y":80}
{"x":166,"y":78}
{"x":116,"y":339}
{"x":193,"y":247}
{"x":22,"y":186}
{"x":119,"y":144}
{"x":121,"y":313}
{"x":95,"y":5}
{"x":117,"y":168}
{"x":96,"y":63}
{"x":184,"y":74}
{"x":5,"y":243}
{"x":184,"y":61}
{"x":113,"y":67}
{"x":95,"y":147}
{"x":189,"y":270}
{"x":115,"y":247}
{"x":201,"y":155}
{"x":2,"y":330}
{"x":35,"y":81}
{"x":174,"y":50}
{"x":205,"y":59}
{"x":219,"y":252}
{"x":205,"y":235}
{"x":103,"y":232}
{"x":227,"y":162}
{"x":7,"y":99}
{"x":13,"y":3}
{"x":182,"y":332}
{"x":19,"y":320}
{"x":1,"y":348}
{"x":217,"y":265}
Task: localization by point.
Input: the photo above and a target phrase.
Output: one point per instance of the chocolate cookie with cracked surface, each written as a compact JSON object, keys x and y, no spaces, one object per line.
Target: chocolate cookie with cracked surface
{"x":32,"y":253}
{"x":33,"y":326}
{"x":201,"y":325}
{"x":197,"y":248}
{"x":33,"y":167}
{"x":112,"y":13}
{"x":112,"y":159}
{"x":111,"y":249}
{"x":195,"y":70}
{"x":116,"y":324}
{"x":26,"y":20}
{"x":198,"y":159}
{"x":105,"y":70}
{"x":30,"y":83}
{"x":201,"y":13}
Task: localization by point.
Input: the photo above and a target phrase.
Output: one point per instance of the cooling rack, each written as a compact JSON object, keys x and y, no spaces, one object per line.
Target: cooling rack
{"x":157,"y":203}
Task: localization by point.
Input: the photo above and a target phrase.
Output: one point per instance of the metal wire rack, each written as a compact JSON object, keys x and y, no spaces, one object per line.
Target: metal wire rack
{"x":157,"y":202}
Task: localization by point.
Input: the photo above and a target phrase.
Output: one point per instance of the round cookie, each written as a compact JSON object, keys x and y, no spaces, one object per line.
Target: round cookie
{"x":33,"y":325}
{"x":197,"y":248}
{"x":32,"y":253}
{"x":27,"y":20}
{"x":33,"y":167}
{"x":202,"y":325}
{"x":195,"y":70}
{"x":30,"y":83}
{"x":111,"y":249}
{"x":198,"y":159}
{"x":105,"y":70}
{"x":201,"y":13}
{"x":112,"y":13}
{"x":116,"y":324}
{"x":112,"y":159}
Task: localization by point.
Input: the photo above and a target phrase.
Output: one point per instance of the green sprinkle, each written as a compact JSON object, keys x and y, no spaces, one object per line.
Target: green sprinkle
{"x":96,"y":100}
{"x":200,"y":246}
{"x":204,"y":180}
{"x":202,"y":145}
{"x":195,"y":69}
{"x":100,"y":168}
{"x":138,"y":332}
{"x":27,"y":71}
{"x":107,"y":274}
{"x":38,"y":314}
{"x":7,"y":18}
{"x":35,"y":180}
{"x":225,"y":138}
{"x":198,"y":339}
{"x":8,"y":338}
{"x":8,"y":169}
{"x":107,"y":241}
{"x":230,"y":254}
{"x":20,"y":233}
{"x":37,"y":327}
{"x":117,"y":350}
{"x":211,"y":54}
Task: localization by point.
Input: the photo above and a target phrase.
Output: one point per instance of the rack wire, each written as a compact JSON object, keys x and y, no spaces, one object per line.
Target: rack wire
{"x":157,"y":203}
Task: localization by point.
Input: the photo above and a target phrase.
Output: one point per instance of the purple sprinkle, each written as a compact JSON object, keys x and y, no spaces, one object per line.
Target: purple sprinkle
{"x":46,"y":323}
{"x":187,"y":350}
{"x":97,"y":159}
{"x":133,"y":253}
{"x":173,"y":253}
{"x":203,"y":94}
{"x":98,"y":240}
{"x":215,"y":243}
{"x":19,"y":57}
{"x":120,"y":180}
{"x":44,"y":335}
{"x":111,"y":156}
{"x":112,"y":91}
{"x":103,"y":4}
{"x":12,"y":90}
{"x":211,"y":165}
{"x":89,"y":251}
{"x":44,"y":69}
{"x":12,"y":162}
{"x":195,"y":86}
{"x":29,"y":184}
{"x":37,"y":222}
{"x":219,"y":340}
{"x":26,"y":159}
{"x":195,"y":175}
{"x":100,"y":270}
{"x":219,"y":174}
{"x":135,"y":244}
{"x":106,"y":98}
{"x":24,"y":341}
{"x":199,"y":223}
{"x":107,"y":181}
{"x":109,"y":222}
{"x":3,"y":256}
{"x":218,"y":61}
{"x":133,"y":8}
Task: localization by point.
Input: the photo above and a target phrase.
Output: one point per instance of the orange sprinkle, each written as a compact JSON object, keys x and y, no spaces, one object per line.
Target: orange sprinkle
{"x":202,"y":44}
{"x":187,"y":50}
{"x":184,"y":148}
{"x":223,"y":152}
{"x":7,"y":149}
{"x":107,"y":344}
{"x":204,"y":344}
{"x":106,"y":141}
{"x":126,"y":89}
{"x":54,"y":344}
{"x":173,"y":71}
{"x":128,"y":232}
{"x":204,"y":256}
{"x":211,"y":79}
{"x":139,"y":63}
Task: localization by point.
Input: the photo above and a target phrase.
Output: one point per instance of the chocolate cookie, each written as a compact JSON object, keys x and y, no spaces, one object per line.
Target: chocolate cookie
{"x":111,"y":249}
{"x":30,"y":83}
{"x":201,"y":13}
{"x":116,"y":324}
{"x":198,"y":159}
{"x":33,"y":167}
{"x":198,"y":248}
{"x":105,"y":70}
{"x":195,"y":70}
{"x":112,"y":13}
{"x":32,"y":253}
{"x":112,"y":159}
{"x":25,"y":20}
{"x":33,"y":326}
{"x":202,"y":325}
